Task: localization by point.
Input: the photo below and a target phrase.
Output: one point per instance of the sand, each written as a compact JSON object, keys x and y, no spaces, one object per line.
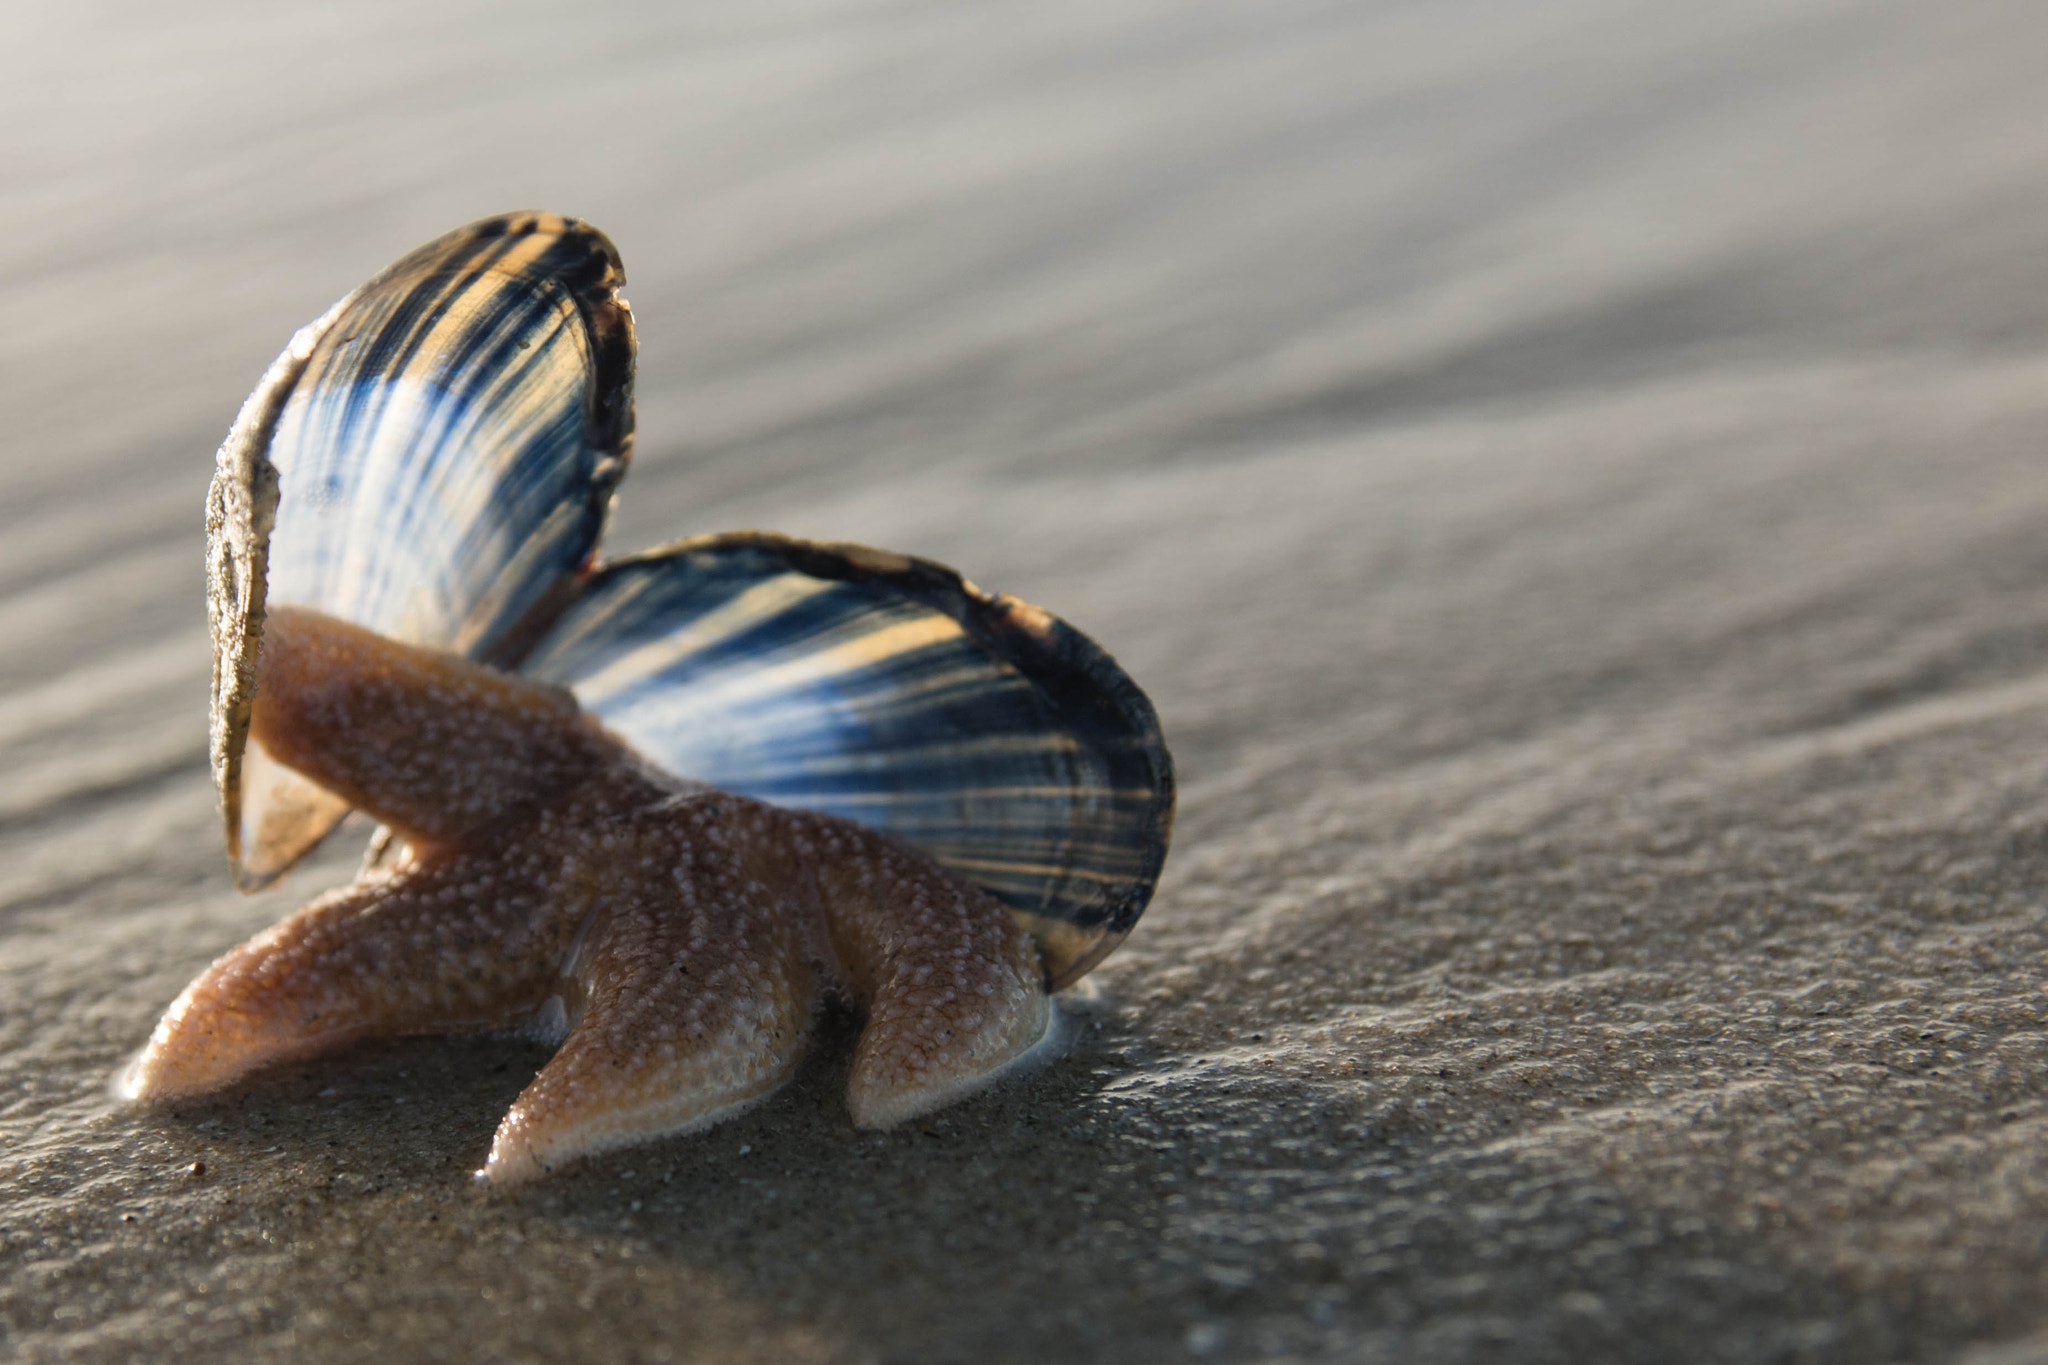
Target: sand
{"x":1570,"y":475}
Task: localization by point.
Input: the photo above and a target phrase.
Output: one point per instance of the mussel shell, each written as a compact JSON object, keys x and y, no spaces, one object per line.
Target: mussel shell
{"x":887,"y":689}
{"x":433,"y":459}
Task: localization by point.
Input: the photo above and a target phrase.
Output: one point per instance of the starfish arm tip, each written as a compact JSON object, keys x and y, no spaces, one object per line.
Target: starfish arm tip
{"x":528,"y":1147}
{"x":196,"y":1049}
{"x":632,"y":1070}
{"x":130,"y":1082}
{"x":883,"y":1097}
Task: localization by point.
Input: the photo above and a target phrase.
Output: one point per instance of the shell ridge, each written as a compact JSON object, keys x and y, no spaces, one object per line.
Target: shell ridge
{"x":241,"y":511}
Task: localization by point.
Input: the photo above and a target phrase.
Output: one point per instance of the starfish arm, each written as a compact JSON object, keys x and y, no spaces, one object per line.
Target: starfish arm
{"x":695,"y":998}
{"x":953,"y":985}
{"x":433,"y":745}
{"x":436,"y":948}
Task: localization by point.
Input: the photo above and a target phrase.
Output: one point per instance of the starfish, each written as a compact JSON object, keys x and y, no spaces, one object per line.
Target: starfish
{"x":676,"y":938}
{"x":786,"y":769}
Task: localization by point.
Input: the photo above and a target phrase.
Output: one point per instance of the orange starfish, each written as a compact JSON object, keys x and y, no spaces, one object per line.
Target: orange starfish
{"x":681,"y":934}
{"x":654,"y":807}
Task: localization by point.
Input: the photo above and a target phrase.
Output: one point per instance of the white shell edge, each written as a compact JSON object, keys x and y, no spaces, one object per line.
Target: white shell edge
{"x":241,"y":510}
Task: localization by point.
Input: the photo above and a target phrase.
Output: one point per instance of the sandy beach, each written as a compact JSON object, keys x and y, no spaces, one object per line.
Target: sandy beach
{"x":1573,"y":478}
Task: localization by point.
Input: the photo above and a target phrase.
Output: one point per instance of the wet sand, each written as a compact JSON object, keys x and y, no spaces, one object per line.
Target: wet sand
{"x":1571,"y":477}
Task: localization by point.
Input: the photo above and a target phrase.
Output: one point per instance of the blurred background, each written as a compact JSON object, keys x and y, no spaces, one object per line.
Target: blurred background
{"x":1569,"y":474}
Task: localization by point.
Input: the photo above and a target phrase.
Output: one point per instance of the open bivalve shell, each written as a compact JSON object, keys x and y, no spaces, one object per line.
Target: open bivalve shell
{"x":434,"y":458}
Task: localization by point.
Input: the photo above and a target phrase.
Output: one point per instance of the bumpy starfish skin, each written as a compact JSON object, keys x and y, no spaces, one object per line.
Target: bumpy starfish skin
{"x":681,"y":935}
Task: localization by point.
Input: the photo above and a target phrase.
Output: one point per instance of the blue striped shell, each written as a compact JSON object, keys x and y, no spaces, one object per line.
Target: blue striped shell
{"x":433,"y":459}
{"x":888,"y":690}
